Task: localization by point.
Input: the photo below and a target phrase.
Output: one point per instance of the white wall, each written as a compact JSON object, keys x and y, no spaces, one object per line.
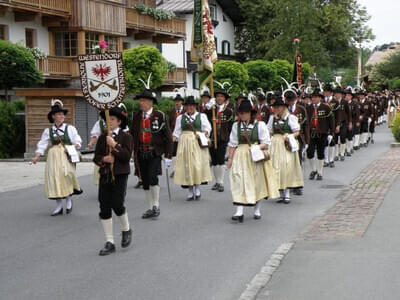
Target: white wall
{"x":223,"y":31}
{"x":133,"y":43}
{"x":16,"y":31}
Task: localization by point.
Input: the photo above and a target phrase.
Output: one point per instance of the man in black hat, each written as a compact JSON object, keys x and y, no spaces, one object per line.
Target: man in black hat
{"x":355,"y":113}
{"x":224,"y":120}
{"x":263,"y":110}
{"x":328,"y":93}
{"x":332,"y":149}
{"x":113,"y":154}
{"x":366,"y":114}
{"x":322,"y":124}
{"x":152,"y":138}
{"x":343,"y":122}
{"x":173,"y":114}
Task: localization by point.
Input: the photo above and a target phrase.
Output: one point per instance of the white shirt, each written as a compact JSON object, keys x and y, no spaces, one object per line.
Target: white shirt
{"x":263,"y":133}
{"x":96,"y":130}
{"x":205,"y":124}
{"x":293,"y":123}
{"x":45,"y":139}
{"x":148,"y":113}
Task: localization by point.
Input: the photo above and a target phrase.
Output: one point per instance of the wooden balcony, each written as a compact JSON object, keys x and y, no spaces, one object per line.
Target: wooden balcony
{"x":65,"y":68}
{"x":151,"y":3}
{"x":58,"y":67}
{"x":49,"y":7}
{"x":174,"y":28}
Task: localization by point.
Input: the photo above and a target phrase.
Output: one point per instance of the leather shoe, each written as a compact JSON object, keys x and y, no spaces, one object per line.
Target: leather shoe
{"x":319,"y":177}
{"x":220,"y":188}
{"x":312,"y":175}
{"x":238,"y":219}
{"x":108,"y":249}
{"x":126,"y":238}
{"x":156,"y":212}
{"x":331,"y":164}
{"x":215,"y":187}
{"x":138,"y":185}
{"x":148,"y":214}
{"x":257,"y":217}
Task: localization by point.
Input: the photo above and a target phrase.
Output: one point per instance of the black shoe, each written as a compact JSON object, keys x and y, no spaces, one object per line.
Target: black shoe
{"x":190,"y":198}
{"x":348,"y":154}
{"x":312,"y":175}
{"x":326,"y":164}
{"x":148,"y":214}
{"x":215,"y":187}
{"x":238,"y":219}
{"x":366,"y":145}
{"x":108,"y":249}
{"x":341,"y":158}
{"x":172,"y":174}
{"x":372,"y":141}
{"x":138,"y":185}
{"x":77,"y":192}
{"x":257,"y":217}
{"x":126,"y":238}
{"x":352,"y":151}
{"x":298,"y":192}
{"x":361,"y":146}
{"x":280,"y":200}
{"x":57,"y":213}
{"x":221,"y":188}
{"x":69,"y":210}
{"x":197,"y":197}
{"x":336,"y":158}
{"x":331,"y":164}
{"x":156,"y":212}
{"x":356,"y":148}
{"x":319,"y":177}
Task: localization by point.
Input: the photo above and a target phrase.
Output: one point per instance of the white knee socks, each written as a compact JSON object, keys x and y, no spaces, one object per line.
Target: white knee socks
{"x":336,"y":150}
{"x":124,"y":222}
{"x":326,"y":153}
{"x":108,"y":230}
{"x":357,"y":140}
{"x":149,"y":198}
{"x":313,"y":165}
{"x":239,"y":210}
{"x":59,"y":205}
{"x":155,"y":195}
{"x":219,"y":172}
{"x":68,"y":202}
{"x":320,"y":166}
{"x":331,"y":154}
{"x":196,"y":190}
{"x":257,"y":211}
{"x":342,"y":148}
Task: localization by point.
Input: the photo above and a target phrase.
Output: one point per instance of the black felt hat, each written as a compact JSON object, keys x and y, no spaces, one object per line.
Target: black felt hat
{"x":56,"y":107}
{"x":119,"y":113}
{"x":279,"y":102}
{"x":190,"y":101}
{"x":245,"y":106}
{"x":290,"y":95}
{"x":241,"y":96}
{"x":147,"y":94}
{"x":178,"y":97}
{"x":223,"y":92}
{"x":317,"y":93}
{"x":261,"y":97}
{"x":205,"y":94}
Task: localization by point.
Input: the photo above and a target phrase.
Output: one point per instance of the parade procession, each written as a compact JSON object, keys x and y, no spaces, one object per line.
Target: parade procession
{"x":198,"y":149}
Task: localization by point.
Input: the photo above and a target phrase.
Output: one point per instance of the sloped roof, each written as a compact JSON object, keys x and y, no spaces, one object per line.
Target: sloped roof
{"x":379,"y":56}
{"x":186,"y":6}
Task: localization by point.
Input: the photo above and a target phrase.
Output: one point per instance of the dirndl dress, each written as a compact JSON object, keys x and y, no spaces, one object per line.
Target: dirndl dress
{"x":192,"y":162}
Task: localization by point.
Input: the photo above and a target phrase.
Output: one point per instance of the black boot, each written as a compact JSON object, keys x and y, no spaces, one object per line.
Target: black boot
{"x":220,"y":188}
{"x":126,"y":238}
{"x":215,"y":187}
{"x":108,"y":249}
{"x":238,"y":219}
{"x":331,"y":164}
{"x":312,"y":175}
{"x":319,"y":177}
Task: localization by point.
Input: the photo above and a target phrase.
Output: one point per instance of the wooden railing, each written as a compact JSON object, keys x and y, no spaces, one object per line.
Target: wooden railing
{"x":58,"y":66}
{"x":177,"y":76}
{"x":173,"y":26}
{"x":131,"y":3}
{"x":52,"y":5}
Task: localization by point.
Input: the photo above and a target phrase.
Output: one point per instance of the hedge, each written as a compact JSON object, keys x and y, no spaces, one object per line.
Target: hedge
{"x":12,"y":129}
{"x":396,"y":128}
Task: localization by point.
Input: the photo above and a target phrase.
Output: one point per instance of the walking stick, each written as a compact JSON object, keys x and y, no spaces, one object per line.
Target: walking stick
{"x":214,"y":119}
{"x":168,"y":187}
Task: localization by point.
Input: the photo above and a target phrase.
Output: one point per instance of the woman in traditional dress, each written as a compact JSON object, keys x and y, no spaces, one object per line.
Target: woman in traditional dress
{"x":393,"y":106}
{"x":192,"y":162}
{"x":250,"y":181}
{"x":60,"y":178}
{"x":285,"y":128}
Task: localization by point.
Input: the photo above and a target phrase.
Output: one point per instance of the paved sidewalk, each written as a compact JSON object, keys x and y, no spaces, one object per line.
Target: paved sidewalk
{"x":19,"y":175}
{"x":349,"y":253}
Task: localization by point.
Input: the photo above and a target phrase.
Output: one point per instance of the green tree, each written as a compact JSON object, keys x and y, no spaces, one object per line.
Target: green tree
{"x":139,"y":62}
{"x":17,"y":67}
{"x":262,"y":74}
{"x":329,"y":30}
{"x":234,"y":73}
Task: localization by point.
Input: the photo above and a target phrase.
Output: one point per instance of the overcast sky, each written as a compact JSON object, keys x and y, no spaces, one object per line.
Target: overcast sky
{"x":385,"y":20}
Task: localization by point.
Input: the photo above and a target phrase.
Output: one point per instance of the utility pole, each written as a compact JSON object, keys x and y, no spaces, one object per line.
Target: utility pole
{"x":359,"y":66}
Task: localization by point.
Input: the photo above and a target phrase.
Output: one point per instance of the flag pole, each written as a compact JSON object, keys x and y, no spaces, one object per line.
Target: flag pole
{"x":214,"y":119}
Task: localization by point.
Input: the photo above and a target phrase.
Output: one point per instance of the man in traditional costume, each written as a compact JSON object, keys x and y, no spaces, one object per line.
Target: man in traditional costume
{"x":152,"y":139}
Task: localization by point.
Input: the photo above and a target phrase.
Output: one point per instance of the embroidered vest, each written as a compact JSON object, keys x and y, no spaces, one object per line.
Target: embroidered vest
{"x":186,"y":126}
{"x":281,"y":127}
{"x":251,"y":133}
{"x":64,"y":139}
{"x":145,"y":131}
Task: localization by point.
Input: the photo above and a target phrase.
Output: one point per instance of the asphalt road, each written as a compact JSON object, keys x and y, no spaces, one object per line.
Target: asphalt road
{"x":192,"y":252}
